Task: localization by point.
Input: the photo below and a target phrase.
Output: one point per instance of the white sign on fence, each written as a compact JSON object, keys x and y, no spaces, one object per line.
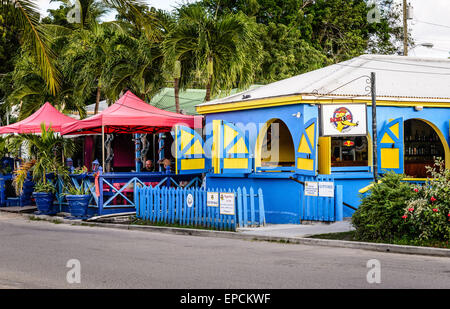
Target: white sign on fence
{"x":326,"y":189}
{"x":343,"y":119}
{"x":227,"y":203}
{"x":189,"y":200}
{"x":311,"y":188}
{"x":212,"y":199}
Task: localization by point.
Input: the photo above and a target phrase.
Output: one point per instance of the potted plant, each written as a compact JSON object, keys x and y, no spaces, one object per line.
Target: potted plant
{"x":44,"y":194}
{"x":48,"y":151}
{"x":78,"y":199}
{"x":23,"y":182}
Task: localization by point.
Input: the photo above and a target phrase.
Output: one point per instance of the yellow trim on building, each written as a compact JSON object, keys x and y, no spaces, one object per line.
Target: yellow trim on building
{"x":235,"y":163}
{"x":192,"y":164}
{"x":298,"y":99}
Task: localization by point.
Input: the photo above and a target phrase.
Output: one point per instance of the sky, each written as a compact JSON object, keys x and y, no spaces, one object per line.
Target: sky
{"x":430,"y":24}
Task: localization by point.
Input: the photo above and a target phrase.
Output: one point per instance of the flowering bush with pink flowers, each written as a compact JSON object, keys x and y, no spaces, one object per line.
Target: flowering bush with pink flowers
{"x":427,"y":213}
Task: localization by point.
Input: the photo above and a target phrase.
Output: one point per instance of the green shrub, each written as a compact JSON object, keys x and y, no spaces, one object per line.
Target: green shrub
{"x":379,"y":217}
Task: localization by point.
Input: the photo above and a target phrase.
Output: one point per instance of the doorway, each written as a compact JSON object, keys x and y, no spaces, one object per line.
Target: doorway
{"x":422,"y":147}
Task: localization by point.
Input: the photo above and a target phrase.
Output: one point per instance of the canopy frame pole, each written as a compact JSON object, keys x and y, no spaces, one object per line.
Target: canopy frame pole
{"x":103,"y":146}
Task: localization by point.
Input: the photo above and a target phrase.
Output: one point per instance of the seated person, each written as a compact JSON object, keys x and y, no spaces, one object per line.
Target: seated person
{"x":166,"y":165}
{"x":148,"y":166}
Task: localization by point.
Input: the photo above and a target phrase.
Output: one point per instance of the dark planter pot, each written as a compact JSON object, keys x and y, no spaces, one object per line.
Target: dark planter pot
{"x":44,"y":202}
{"x":78,"y":204}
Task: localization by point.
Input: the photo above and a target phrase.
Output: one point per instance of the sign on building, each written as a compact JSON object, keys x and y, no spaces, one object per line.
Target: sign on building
{"x":343,"y":119}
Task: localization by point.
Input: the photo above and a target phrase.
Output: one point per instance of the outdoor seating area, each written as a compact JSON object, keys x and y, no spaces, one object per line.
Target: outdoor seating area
{"x":106,"y":191}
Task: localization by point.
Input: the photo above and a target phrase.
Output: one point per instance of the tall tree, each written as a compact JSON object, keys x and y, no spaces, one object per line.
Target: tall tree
{"x":221,"y":51}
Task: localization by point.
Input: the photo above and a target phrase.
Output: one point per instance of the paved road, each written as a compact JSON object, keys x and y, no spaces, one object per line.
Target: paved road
{"x":33,"y":254}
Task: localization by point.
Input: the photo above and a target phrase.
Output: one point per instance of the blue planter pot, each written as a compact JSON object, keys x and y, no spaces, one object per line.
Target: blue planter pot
{"x":78,"y":204}
{"x":27,"y":191}
{"x":44,"y":202}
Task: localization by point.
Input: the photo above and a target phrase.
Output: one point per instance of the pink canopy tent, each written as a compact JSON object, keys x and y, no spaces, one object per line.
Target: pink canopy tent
{"x":130,"y":114}
{"x":46,"y":114}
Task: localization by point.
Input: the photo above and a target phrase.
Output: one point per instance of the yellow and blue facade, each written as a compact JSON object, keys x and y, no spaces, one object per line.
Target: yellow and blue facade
{"x":232,"y":151}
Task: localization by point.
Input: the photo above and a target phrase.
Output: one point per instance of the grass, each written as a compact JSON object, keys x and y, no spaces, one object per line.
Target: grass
{"x":54,"y":221}
{"x":350,"y":236}
{"x":177,"y":225}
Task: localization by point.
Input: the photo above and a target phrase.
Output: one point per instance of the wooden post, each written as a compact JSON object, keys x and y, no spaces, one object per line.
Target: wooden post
{"x":374,"y":126}
{"x":405,"y":28}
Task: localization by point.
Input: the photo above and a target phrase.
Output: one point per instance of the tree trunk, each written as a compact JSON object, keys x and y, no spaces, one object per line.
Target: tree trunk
{"x":177,"y":95}
{"x":208,"y":90}
{"x":97,"y":100}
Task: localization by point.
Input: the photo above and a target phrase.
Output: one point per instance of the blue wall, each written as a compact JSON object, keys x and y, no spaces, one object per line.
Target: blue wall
{"x":281,"y":195}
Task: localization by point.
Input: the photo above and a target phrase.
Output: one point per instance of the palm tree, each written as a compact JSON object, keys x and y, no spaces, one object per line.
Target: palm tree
{"x":222,"y":52}
{"x":26,"y":16}
{"x":134,"y":64}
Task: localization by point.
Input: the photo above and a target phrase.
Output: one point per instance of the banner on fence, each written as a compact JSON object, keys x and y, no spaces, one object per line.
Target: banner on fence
{"x":311,"y":188}
{"x":326,"y":189}
{"x":213,"y":199}
{"x":227,"y":205}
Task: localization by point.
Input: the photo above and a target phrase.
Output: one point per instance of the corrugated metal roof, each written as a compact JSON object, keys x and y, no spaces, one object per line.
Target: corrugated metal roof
{"x":397,"y":79}
{"x":189,"y":98}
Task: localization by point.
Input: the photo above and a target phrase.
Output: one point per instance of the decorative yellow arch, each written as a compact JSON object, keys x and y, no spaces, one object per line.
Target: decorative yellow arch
{"x":260,"y":140}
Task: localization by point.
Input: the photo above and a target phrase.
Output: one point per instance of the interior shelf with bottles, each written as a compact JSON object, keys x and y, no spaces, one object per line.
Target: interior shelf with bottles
{"x":422,"y":147}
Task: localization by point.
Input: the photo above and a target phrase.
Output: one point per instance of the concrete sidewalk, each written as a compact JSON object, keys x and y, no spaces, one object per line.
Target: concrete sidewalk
{"x":298,"y":230}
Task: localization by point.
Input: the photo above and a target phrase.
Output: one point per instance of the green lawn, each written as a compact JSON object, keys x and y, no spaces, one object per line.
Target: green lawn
{"x":350,"y":236}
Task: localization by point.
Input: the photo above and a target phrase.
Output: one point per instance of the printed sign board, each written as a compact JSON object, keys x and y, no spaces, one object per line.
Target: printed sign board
{"x":326,"y":189}
{"x":343,"y":119}
{"x":212,"y":199}
{"x":311,"y":188}
{"x":226,"y":203}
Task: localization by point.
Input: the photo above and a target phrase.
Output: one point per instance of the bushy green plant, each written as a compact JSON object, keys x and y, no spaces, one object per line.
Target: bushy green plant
{"x":83,"y":189}
{"x":46,"y":187}
{"x":379,"y":217}
{"x":47,"y":150}
{"x":428,"y":211}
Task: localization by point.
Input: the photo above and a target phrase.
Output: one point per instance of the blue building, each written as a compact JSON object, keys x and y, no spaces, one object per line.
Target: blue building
{"x":276,"y":137}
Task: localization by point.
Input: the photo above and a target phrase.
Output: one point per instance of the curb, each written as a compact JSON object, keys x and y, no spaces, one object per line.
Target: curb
{"x":390,"y":248}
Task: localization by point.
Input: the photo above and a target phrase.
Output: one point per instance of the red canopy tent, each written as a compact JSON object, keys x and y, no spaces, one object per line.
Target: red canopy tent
{"x":130,"y":114}
{"x":46,"y":114}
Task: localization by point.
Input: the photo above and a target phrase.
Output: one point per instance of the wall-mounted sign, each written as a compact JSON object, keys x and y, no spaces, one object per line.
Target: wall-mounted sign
{"x":212,"y":199}
{"x":326,"y":189}
{"x":343,"y":119}
{"x":311,"y":188}
{"x":226,"y":203}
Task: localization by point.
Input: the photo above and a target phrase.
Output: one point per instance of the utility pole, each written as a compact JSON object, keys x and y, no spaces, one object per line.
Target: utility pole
{"x":374,"y":126}
{"x":405,"y":28}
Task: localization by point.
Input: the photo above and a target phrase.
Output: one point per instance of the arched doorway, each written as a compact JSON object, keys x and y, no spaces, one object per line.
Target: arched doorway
{"x":423,"y":145}
{"x":275,"y":146}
